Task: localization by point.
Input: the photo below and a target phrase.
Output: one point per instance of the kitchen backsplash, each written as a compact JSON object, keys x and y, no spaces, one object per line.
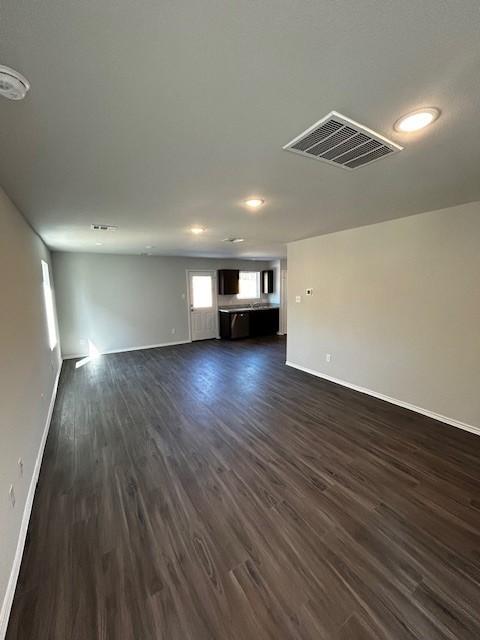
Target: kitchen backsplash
{"x":233,"y":301}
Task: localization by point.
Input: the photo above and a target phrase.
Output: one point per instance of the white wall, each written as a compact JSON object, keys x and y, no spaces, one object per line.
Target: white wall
{"x":275,"y":296}
{"x":27,"y":376}
{"x":283,"y":294}
{"x":122,"y":302}
{"x":278,"y":296}
{"x":397,"y":304}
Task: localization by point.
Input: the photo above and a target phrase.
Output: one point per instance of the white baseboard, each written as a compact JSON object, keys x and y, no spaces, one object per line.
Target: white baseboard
{"x":400,"y":403}
{"x":84,"y":354}
{"x":12,"y":583}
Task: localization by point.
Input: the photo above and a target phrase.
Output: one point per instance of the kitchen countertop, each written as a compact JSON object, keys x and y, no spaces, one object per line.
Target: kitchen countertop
{"x":263,"y":307}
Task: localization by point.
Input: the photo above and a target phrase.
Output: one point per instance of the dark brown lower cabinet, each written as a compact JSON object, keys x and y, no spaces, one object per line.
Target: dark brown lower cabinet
{"x":263,"y":323}
{"x":259,"y":323}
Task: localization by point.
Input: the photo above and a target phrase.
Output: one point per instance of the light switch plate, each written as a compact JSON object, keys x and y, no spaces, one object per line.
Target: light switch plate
{"x":298,"y":298}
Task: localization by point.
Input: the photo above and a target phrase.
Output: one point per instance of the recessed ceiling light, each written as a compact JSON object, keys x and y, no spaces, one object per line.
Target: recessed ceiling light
{"x":12,"y":84}
{"x":149,"y":246}
{"x":417,"y":120}
{"x":234,"y":240}
{"x":254,"y":203}
{"x":99,"y":244}
{"x":197,"y":230}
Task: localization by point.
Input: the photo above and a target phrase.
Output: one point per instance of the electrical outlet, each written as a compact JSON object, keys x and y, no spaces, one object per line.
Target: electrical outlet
{"x":20,"y":465}
{"x":298,"y":298}
{"x":328,"y":357}
{"x":11,"y":493}
{"x":173,"y":330}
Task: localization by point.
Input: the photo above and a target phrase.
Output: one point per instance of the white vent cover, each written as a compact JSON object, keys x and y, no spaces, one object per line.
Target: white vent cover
{"x":343,"y":142}
{"x":103,"y":227}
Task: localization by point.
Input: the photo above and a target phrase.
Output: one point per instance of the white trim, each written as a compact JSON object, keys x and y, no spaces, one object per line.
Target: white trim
{"x":189,"y":318}
{"x":406,"y":405}
{"x":71,"y":356}
{"x":17,"y":561}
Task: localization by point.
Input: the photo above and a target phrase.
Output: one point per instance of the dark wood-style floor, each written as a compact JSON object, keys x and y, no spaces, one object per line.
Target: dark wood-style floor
{"x":207,"y":491}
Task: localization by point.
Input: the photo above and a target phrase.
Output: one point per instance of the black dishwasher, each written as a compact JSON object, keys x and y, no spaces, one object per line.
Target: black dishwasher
{"x":239,"y":325}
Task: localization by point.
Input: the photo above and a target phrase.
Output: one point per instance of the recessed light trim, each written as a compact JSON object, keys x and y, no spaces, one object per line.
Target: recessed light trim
{"x":197,"y":230}
{"x":99,"y":244}
{"x":13,"y":85}
{"x":254,"y":203}
{"x":416,"y":120}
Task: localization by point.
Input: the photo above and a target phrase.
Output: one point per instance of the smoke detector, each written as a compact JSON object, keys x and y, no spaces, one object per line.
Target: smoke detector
{"x":342,"y":142}
{"x":12,"y":84}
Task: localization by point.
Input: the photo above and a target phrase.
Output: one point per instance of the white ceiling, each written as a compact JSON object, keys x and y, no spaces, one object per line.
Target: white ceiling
{"x":157,"y":115}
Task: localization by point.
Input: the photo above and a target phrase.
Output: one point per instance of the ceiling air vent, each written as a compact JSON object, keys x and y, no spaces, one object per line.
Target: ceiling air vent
{"x":342,"y":142}
{"x":103,"y":227}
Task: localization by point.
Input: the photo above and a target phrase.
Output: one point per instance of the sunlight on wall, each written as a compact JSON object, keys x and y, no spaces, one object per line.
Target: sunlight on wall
{"x":93,"y":355}
{"x":48,"y":297}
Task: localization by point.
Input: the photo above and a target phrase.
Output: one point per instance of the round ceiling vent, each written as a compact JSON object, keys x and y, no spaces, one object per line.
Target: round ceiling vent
{"x":12,"y":84}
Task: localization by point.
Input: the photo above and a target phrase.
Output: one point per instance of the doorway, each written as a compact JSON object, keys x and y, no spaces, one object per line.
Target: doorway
{"x":202,"y":304}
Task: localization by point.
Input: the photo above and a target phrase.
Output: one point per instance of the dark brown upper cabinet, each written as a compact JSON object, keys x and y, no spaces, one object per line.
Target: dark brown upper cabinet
{"x":228,"y":282}
{"x":267,"y":281}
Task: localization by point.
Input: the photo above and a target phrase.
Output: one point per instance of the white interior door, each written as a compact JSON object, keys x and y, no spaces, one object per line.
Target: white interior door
{"x":203,"y":304}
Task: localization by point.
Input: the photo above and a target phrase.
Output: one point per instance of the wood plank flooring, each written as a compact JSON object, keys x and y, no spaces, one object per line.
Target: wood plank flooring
{"x":207,"y":491}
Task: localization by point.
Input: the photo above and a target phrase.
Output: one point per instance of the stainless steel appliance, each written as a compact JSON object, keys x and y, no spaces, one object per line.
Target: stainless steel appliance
{"x":239,"y":325}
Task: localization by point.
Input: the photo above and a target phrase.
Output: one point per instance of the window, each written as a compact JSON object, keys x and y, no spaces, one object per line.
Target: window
{"x":202,"y":292}
{"x":48,"y":297}
{"x":249,"y":285}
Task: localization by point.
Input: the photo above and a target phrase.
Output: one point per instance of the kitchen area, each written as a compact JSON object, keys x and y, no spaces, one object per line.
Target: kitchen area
{"x":238,"y":300}
{"x":260,"y":315}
